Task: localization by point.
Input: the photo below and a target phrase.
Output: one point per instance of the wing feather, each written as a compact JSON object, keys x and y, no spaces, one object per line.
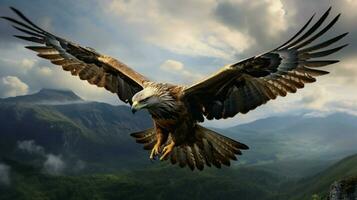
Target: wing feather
{"x":245,"y":85}
{"x":84,"y":62}
{"x":311,"y":30}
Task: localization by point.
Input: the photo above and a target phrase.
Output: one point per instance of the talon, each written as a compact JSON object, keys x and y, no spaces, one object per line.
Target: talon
{"x":167,"y":150}
{"x":155,"y":151}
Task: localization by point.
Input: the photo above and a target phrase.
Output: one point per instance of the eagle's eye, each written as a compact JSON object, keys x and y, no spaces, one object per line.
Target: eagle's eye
{"x":145,"y":99}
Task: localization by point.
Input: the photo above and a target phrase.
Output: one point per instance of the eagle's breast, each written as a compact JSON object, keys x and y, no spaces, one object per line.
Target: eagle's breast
{"x":170,"y":108}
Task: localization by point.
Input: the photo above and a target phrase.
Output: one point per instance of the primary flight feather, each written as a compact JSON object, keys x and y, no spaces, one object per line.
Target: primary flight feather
{"x":177,"y":110}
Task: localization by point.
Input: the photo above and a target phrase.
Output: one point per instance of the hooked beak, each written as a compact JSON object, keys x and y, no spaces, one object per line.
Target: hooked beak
{"x":134,"y":107}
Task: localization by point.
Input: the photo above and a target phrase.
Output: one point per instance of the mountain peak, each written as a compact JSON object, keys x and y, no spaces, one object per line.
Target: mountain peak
{"x":69,"y":94}
{"x":47,"y":96}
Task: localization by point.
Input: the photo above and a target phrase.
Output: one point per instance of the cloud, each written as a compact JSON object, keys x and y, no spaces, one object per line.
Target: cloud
{"x":187,"y":28}
{"x":79,"y":166}
{"x":344,"y":106}
{"x":172,"y":65}
{"x":31,"y":147}
{"x":346,"y":72}
{"x":316,"y":99}
{"x":333,"y":92}
{"x":12,"y":86}
{"x":178,"y":69}
{"x":262,"y":20}
{"x":27,"y":63}
{"x":38,"y":73}
{"x":54,"y":164}
{"x":4,"y":174}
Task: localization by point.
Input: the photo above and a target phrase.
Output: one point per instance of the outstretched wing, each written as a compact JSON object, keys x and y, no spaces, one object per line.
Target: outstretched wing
{"x":83,"y":62}
{"x":243,"y":86}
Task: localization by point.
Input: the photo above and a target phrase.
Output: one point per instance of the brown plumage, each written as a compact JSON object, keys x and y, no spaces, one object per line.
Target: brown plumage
{"x":177,"y":110}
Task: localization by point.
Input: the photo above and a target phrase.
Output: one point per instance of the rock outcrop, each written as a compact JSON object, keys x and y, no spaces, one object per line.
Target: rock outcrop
{"x":344,"y":190}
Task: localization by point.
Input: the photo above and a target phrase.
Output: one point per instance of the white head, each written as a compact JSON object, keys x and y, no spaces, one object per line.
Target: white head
{"x":146,"y":98}
{"x":156,"y":98}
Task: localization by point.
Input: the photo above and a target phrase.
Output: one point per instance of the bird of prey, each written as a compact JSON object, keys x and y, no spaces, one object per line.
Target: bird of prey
{"x":177,"y":110}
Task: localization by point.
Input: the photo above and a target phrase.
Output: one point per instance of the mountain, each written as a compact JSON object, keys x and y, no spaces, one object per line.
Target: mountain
{"x":319,"y":184}
{"x":55,"y":145}
{"x":298,"y":137}
{"x":64,"y":124}
{"x":61,"y":123}
{"x":46,"y":96}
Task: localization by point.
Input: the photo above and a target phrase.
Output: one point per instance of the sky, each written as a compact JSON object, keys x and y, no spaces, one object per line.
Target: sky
{"x":180,"y":42}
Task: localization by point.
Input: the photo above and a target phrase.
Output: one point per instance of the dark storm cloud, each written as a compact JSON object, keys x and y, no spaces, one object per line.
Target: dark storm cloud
{"x":347,"y":22}
{"x":254,"y":18}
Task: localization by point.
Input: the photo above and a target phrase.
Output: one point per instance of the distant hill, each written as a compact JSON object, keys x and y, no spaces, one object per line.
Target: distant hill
{"x":64,"y":124}
{"x":297,"y":137}
{"x":46,"y":96}
{"x":320,"y":183}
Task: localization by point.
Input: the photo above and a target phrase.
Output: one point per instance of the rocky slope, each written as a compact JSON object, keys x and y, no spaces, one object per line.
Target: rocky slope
{"x":344,"y":189}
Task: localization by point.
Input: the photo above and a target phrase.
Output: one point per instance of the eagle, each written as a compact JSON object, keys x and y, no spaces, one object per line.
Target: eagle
{"x":176,"y":110}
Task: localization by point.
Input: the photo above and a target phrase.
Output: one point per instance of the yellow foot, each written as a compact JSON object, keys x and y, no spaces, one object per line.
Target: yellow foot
{"x":167,"y":150}
{"x":155,"y":151}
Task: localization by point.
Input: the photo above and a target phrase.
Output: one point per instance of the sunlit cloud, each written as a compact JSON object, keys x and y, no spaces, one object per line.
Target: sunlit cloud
{"x":188,"y":28}
{"x":12,"y":86}
{"x":177,"y":69}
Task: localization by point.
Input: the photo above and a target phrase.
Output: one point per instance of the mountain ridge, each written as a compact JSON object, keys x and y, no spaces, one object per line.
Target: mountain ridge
{"x":90,"y":131}
{"x":99,"y":127}
{"x":46,"y":96}
{"x":271,"y":139}
{"x":320,"y":183}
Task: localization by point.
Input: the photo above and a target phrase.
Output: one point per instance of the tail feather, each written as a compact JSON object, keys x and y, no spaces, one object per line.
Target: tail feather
{"x":190,"y":158}
{"x":222,"y":158}
{"x":144,"y":134}
{"x":209,"y":148}
{"x":198,"y":157}
{"x":181,"y":154}
{"x":235,"y":145}
{"x":207,"y":151}
{"x":146,"y":137}
{"x":222,"y":147}
{"x":149,"y":145}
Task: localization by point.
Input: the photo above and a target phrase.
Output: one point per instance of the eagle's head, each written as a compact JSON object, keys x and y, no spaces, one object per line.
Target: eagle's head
{"x":153,"y":98}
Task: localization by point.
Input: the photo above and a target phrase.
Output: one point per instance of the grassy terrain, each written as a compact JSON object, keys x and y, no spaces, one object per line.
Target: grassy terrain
{"x":160,"y":182}
{"x":319,"y":184}
{"x":294,"y":168}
